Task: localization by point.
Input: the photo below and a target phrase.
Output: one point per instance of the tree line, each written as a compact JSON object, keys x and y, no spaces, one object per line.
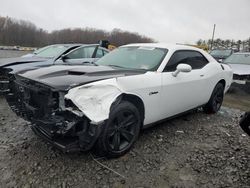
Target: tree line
{"x":15,"y":32}
{"x":240,"y":45}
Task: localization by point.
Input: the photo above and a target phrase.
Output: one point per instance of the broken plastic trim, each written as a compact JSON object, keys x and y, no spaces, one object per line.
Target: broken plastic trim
{"x":94,"y":100}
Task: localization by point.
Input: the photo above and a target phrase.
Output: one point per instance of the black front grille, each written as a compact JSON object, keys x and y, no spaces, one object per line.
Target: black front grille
{"x":4,"y":81}
{"x":33,"y":99}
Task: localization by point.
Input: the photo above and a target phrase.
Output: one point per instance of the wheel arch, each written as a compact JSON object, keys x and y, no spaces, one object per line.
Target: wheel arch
{"x":137,"y":101}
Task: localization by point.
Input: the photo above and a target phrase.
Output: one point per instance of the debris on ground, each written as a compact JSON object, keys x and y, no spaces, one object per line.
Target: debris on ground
{"x":205,"y":156}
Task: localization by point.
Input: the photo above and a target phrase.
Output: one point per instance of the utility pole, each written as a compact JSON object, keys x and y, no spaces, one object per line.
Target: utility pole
{"x":213,"y":37}
{"x":249,"y":45}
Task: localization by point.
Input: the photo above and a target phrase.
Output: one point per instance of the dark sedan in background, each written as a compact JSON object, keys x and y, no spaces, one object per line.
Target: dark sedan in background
{"x":67,"y":54}
{"x":42,"y":54}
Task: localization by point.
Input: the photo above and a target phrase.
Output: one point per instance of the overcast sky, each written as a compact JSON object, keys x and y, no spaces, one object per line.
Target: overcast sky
{"x":175,"y":21}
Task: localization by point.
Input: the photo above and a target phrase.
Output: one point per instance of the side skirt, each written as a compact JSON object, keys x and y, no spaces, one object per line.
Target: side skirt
{"x":171,"y":117}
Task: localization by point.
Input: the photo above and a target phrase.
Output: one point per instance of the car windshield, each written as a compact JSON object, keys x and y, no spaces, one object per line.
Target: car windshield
{"x":50,"y":51}
{"x":146,"y":58}
{"x":40,"y":49}
{"x":238,"y":59}
{"x":221,"y":53}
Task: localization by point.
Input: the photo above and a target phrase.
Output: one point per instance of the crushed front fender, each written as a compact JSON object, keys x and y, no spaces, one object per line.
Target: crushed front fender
{"x":94,"y":101}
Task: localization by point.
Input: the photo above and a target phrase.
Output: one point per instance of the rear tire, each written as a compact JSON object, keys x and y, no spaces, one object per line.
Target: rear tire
{"x":215,"y":100}
{"x":120,"y":131}
{"x":245,"y":123}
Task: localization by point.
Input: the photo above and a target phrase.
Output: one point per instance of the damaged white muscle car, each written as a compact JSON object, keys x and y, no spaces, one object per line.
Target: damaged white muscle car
{"x":106,"y":104}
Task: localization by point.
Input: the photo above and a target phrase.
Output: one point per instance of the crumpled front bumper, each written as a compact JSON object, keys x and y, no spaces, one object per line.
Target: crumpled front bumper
{"x":68,"y":136}
{"x":5,"y":77}
{"x":52,"y":119}
{"x":4,"y":85}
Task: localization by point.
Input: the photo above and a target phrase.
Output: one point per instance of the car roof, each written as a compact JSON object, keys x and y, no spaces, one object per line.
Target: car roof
{"x":73,"y":44}
{"x":164,"y":45}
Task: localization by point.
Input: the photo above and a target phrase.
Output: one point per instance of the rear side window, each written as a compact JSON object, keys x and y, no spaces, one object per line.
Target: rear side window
{"x":193,"y":58}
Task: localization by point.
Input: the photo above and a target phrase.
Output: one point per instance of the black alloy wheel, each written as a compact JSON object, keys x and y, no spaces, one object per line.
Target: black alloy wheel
{"x":120,"y":131}
{"x":215,"y":100}
{"x":218,"y":98}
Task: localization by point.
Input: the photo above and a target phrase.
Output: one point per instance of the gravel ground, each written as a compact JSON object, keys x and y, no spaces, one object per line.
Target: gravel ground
{"x":195,"y":150}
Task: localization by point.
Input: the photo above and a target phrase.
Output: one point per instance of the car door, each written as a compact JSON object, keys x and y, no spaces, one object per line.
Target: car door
{"x":81,"y":55}
{"x":186,"y":90}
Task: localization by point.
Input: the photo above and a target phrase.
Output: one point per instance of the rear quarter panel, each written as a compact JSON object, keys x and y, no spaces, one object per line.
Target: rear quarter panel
{"x":214,"y":73}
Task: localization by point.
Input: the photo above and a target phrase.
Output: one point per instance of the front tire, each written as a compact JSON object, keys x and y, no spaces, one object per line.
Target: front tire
{"x":120,"y":132}
{"x":215,"y":100}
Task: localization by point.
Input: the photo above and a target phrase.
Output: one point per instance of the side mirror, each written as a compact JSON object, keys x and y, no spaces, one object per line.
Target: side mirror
{"x":182,"y":68}
{"x":63,"y":57}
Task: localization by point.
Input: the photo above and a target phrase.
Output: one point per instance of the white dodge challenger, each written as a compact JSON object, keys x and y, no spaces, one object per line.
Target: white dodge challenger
{"x":106,"y":104}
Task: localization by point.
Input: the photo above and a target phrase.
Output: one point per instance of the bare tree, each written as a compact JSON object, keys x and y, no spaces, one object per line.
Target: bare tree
{"x":240,"y":45}
{"x":24,"y":33}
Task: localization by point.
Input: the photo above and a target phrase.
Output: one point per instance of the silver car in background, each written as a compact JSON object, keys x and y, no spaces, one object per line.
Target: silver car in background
{"x":240,"y":64}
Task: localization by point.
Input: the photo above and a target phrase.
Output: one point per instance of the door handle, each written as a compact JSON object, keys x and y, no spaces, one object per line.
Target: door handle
{"x":201,"y":75}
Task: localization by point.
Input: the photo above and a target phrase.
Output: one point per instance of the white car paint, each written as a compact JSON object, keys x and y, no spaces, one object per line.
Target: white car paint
{"x":91,"y":102}
{"x":172,"y":95}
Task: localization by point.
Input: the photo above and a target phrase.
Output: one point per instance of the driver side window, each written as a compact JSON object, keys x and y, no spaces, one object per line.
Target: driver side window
{"x":81,"y":53}
{"x":99,"y":53}
{"x":193,"y":58}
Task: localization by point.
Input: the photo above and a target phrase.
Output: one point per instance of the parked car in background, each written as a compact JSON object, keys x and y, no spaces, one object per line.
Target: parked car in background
{"x":43,"y":54}
{"x":240,"y":63}
{"x":106,"y":104}
{"x":221,"y":54}
{"x":245,"y":123}
{"x":71,"y":54}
